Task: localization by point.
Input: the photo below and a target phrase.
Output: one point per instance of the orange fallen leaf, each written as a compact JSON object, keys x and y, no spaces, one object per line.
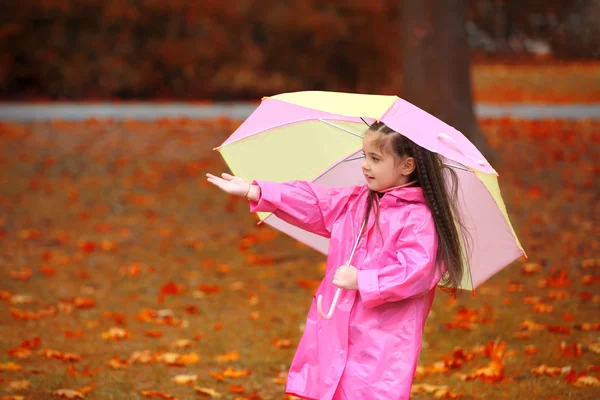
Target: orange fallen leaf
{"x":22,"y":274}
{"x":152,"y":393}
{"x":571,"y":350}
{"x":71,"y":334}
{"x":542,"y":308}
{"x":209,"y":289}
{"x":18,"y":386}
{"x":254,"y":315}
{"x":116,"y":363}
{"x":176,"y":359}
{"x":141,"y":357}
{"x":235,"y":373}
{"x":515,"y":287}
{"x":87,"y":246}
{"x":20,"y":352}
{"x":555,"y":294}
{"x":84,"y":302}
{"x":31,"y":343}
{"x":439,"y":392}
{"x":185,"y":379}
{"x":586,"y":327}
{"x":68,"y":394}
{"x":224,"y":269}
{"x":281,"y":378}
{"x":116,"y":333}
{"x":587,"y":381}
{"x":283,"y":343}
{"x":531,"y":268}
{"x":170,"y":289}
{"x":10,"y":366}
{"x":237,"y":389}
{"x":560,"y":329}
{"x":231,"y":356}
{"x":47,"y":270}
{"x":530,"y":349}
{"x":55,"y":354}
{"x":253,"y":299}
{"x":529,"y":325}
{"x":218,"y":376}
{"x":208,"y":392}
{"x":182,"y":344}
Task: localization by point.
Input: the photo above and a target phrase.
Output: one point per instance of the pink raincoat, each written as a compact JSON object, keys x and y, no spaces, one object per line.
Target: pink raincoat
{"x":370,"y":347}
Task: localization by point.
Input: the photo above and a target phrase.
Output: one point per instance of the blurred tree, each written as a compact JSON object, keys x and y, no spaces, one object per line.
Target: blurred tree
{"x":437,"y":70}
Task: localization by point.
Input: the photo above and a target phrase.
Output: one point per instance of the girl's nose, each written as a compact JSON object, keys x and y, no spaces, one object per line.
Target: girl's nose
{"x":365,"y":166}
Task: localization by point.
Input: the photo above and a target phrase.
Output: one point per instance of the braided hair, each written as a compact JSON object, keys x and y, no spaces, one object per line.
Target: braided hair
{"x":429,"y":175}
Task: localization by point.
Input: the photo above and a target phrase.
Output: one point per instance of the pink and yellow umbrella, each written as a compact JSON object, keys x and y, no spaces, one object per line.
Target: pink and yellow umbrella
{"x":317,"y":136}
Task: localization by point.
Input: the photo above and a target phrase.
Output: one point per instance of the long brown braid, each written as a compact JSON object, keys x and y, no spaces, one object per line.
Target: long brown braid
{"x":441,"y":199}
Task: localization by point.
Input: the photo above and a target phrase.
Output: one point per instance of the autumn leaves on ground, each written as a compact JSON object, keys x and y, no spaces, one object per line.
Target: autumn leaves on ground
{"x":125,"y":276}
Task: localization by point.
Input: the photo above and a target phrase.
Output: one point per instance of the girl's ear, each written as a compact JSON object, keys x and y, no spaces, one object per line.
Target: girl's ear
{"x":408,"y":166}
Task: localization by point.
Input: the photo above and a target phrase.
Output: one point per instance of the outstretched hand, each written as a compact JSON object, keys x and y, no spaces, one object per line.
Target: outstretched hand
{"x":230,"y":184}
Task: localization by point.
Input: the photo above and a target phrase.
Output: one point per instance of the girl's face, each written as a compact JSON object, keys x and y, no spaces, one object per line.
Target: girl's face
{"x":382,"y":169}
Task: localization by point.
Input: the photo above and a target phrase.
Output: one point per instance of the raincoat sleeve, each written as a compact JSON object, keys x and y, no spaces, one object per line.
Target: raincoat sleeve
{"x":413,"y":274}
{"x":306,"y":205}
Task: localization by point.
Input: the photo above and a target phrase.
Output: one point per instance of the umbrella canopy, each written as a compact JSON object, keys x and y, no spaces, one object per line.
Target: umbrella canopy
{"x":317,"y":136}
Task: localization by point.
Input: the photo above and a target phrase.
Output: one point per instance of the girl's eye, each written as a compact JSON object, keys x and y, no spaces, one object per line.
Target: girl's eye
{"x":375,"y":159}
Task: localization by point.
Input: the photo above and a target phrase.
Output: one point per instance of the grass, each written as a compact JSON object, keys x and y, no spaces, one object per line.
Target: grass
{"x":136,"y":193}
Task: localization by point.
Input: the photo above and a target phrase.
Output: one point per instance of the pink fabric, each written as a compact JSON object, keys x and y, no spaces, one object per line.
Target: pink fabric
{"x":273,"y":113}
{"x":371,"y":345}
{"x":424,"y":129}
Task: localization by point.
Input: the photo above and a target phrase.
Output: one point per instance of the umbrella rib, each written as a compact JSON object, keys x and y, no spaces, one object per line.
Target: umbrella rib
{"x":339,"y":127}
{"x":353,"y":159}
{"x":457,"y":167}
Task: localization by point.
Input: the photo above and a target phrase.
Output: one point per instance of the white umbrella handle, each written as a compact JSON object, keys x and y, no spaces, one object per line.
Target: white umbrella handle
{"x":329,"y":314}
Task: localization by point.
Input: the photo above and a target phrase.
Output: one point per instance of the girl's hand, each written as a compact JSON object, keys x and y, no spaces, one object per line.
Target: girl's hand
{"x":346,"y":278}
{"x":230,"y":184}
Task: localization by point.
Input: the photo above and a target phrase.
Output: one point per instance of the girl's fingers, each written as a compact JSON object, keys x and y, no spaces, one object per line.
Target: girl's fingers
{"x":214,"y":182}
{"x":227,"y":176}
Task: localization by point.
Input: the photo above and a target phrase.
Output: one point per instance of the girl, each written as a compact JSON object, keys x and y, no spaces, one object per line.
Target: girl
{"x":409,"y":242}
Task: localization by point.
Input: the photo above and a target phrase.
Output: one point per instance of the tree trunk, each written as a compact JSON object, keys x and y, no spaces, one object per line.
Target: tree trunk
{"x":436,"y":62}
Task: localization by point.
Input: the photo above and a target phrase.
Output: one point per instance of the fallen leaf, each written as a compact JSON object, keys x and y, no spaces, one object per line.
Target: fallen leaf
{"x":235,"y":373}
{"x":18,"y":386}
{"x":185,"y":379}
{"x":116,"y":333}
{"x":208,"y":392}
{"x":151,"y":393}
{"x":283,"y":343}
{"x":10,"y":366}
{"x":68,"y":394}
{"x":231,"y":356}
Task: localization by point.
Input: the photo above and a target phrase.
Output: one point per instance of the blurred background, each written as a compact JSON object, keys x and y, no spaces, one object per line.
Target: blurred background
{"x":204,"y":49}
{"x":125,"y":275}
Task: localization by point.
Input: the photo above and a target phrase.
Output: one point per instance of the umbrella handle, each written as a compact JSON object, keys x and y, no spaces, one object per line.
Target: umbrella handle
{"x":336,"y":298}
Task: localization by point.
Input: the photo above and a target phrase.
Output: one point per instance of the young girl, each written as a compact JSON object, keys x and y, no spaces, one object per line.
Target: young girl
{"x":370,"y":347}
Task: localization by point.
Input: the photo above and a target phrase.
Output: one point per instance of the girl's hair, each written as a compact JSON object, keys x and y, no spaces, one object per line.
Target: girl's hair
{"x":429,"y":175}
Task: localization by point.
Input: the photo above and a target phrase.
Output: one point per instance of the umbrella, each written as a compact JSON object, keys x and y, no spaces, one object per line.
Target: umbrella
{"x":317,"y":136}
